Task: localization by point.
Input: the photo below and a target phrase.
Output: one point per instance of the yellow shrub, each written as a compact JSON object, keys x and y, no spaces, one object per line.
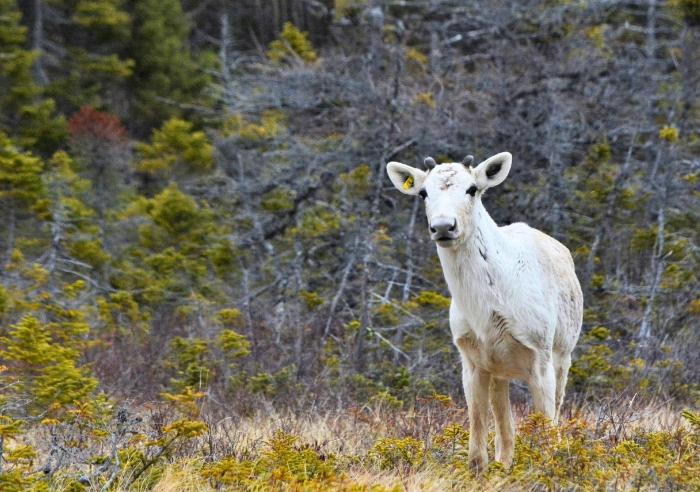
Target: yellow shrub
{"x":669,"y":133}
{"x":291,"y":44}
{"x":426,"y":98}
{"x":271,"y":124}
{"x":390,"y":453}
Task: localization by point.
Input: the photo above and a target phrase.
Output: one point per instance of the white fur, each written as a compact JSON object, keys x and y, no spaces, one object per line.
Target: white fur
{"x":517,"y":305}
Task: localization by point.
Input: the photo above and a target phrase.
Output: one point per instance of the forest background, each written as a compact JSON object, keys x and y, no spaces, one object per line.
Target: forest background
{"x":198,"y":239}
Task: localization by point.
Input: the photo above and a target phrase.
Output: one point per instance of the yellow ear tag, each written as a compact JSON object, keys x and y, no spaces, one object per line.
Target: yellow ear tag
{"x":408,"y":183}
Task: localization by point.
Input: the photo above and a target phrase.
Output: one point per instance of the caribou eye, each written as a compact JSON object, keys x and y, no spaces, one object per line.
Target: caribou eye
{"x":423,"y":194}
{"x":472,"y":190}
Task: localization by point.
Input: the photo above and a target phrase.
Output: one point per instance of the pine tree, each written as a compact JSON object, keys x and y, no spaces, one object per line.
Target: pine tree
{"x":43,"y":359}
{"x":75,"y":243}
{"x":179,"y":247}
{"x":24,"y":113}
{"x":175,"y":152}
{"x":167,"y":82}
{"x":89,"y":36}
{"x":292,"y":45}
{"x":21,"y":188}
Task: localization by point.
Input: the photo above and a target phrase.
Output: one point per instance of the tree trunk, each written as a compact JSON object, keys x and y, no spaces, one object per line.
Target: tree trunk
{"x":341,"y":288}
{"x":603,"y":225}
{"x":410,"y":265}
{"x":224,"y":51}
{"x":40,"y":76}
{"x":11,"y":223}
{"x":657,"y":268}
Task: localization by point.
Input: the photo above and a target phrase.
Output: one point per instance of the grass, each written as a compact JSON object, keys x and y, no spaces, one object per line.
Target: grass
{"x":612,"y":445}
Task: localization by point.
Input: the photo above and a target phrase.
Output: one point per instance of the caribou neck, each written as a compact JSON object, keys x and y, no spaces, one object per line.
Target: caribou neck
{"x":475,"y":267}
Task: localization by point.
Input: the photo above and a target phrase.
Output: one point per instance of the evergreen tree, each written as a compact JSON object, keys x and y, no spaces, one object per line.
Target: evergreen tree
{"x":41,"y":350}
{"x":24,"y":113}
{"x":22,"y":190}
{"x":175,"y":152}
{"x":167,"y":81}
{"x":87,"y":38}
{"x":43,"y":359}
{"x":75,"y":242}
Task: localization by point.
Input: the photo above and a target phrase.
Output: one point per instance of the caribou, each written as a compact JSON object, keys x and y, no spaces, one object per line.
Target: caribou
{"x":516,"y":303}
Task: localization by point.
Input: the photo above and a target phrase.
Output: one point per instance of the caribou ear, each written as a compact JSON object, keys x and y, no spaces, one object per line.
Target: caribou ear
{"x":493,"y":170}
{"x":405,"y":178}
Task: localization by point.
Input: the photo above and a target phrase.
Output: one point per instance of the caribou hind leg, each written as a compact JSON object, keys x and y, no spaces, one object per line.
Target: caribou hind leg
{"x":542,"y":385}
{"x":562,"y":363}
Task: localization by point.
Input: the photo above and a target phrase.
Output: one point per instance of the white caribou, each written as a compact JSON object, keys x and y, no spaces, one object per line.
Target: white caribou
{"x":517,"y":305}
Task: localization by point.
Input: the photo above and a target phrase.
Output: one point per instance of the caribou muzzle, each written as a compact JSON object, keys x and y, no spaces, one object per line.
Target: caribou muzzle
{"x":443,"y":230}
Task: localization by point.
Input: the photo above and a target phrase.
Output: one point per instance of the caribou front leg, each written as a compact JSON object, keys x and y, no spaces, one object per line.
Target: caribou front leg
{"x":476,"y":389}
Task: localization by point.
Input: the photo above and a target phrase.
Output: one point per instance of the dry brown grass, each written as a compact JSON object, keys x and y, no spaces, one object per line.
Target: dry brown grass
{"x":348,"y":440}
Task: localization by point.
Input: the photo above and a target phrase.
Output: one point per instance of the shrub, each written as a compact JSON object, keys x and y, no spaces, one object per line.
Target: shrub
{"x":390,"y":453}
{"x":291,"y":44}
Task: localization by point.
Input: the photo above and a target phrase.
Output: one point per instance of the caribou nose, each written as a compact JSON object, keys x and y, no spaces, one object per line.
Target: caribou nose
{"x":443,"y":226}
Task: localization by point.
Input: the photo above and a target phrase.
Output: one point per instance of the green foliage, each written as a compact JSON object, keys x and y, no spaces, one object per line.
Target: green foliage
{"x":669,"y":133}
{"x":21,"y":185}
{"x":165,"y":73}
{"x":432,"y":299}
{"x":229,"y":316}
{"x":120,"y":313}
{"x":348,"y":8}
{"x":185,"y":429}
{"x":232,"y":182}
{"x":595,"y":365}
{"x":386,"y":314}
{"x":357,"y":181}
{"x":19,"y":479}
{"x":175,"y":150}
{"x":451,"y":444}
{"x":186,"y":401}
{"x":286,"y":461}
{"x":282,"y":462}
{"x":175,"y":213}
{"x":190,"y":361}
{"x":278,"y":200}
{"x":94,"y":68}
{"x":291,"y":45}
{"x":234,"y":345}
{"x":311,"y":299}
{"x":427,"y":99}
{"x":103,"y":14}
{"x":390,"y":453}
{"x":689,"y":10}
{"x":24,"y":113}
{"x":318,"y":222}
{"x":42,"y":360}
{"x":693,"y":418}
{"x":272,"y":384}
{"x":270,"y":126}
